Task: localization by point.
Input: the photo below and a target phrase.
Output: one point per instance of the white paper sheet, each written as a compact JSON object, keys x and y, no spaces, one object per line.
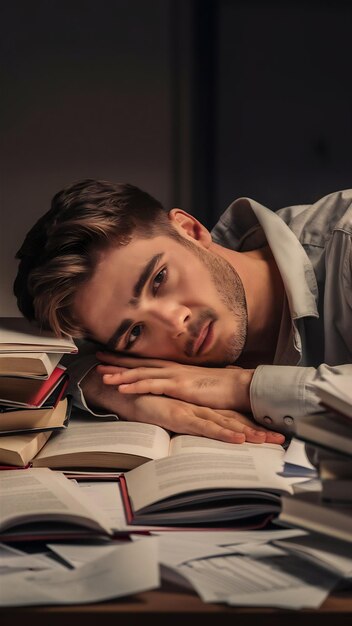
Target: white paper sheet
{"x":76,"y":554}
{"x":175,"y":551}
{"x":243,"y":581}
{"x":296,"y":462}
{"x":129,"y":569}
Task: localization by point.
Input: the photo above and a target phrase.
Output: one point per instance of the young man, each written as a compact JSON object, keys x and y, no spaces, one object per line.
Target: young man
{"x":269,"y":292}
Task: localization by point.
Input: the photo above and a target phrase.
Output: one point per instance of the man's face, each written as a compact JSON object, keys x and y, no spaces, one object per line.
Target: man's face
{"x":159,"y":298}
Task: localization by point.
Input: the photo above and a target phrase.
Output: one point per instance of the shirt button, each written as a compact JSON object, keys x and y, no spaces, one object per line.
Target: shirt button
{"x":267,"y":419}
{"x":288,"y":419}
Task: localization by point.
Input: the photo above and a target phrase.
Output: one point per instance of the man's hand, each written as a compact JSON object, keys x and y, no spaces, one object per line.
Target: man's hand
{"x":176,"y":415}
{"x":215,"y":387}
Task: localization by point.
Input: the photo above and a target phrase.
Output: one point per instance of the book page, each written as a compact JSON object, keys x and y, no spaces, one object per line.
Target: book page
{"x":246,"y":467}
{"x":191,"y":443}
{"x":43,"y":495}
{"x":108,"y":437}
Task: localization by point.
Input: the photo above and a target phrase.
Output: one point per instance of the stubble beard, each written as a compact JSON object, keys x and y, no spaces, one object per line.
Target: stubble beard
{"x":231,"y":293}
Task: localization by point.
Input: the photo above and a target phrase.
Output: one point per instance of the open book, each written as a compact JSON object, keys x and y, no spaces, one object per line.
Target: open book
{"x":96,"y":443}
{"x":39,"y":503}
{"x":91,"y":443}
{"x":214,"y":482}
{"x":204,"y":481}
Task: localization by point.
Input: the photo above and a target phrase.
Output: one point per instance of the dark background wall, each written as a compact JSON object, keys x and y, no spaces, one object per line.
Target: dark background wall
{"x":85,"y":93}
{"x":284,"y":94}
{"x":196,"y":101}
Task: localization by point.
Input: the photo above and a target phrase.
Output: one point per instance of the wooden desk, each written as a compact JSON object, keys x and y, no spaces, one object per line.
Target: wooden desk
{"x":169,"y":606}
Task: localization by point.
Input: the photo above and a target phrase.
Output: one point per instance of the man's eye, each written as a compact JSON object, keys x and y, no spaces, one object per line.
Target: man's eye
{"x":158,"y":279}
{"x":133,"y":335}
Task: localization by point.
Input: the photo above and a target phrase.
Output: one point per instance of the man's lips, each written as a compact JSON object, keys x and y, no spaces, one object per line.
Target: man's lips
{"x":204,"y":338}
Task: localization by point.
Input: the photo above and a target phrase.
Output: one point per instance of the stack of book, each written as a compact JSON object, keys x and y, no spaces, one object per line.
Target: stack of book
{"x":328,"y":439}
{"x":33,"y":385}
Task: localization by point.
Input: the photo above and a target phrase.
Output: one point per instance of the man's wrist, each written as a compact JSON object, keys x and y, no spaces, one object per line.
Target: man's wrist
{"x":245,"y":381}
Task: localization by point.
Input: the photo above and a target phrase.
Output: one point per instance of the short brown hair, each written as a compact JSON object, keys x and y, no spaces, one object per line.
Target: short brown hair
{"x":61,"y":250}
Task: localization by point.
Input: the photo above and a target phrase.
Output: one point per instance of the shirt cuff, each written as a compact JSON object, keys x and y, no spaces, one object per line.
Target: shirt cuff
{"x":280,"y":394}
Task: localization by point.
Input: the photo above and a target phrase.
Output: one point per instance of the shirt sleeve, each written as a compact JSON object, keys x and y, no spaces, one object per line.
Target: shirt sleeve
{"x":281,"y":394}
{"x":77,"y":368}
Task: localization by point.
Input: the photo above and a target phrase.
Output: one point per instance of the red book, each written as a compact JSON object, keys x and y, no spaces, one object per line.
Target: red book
{"x":29,"y":392}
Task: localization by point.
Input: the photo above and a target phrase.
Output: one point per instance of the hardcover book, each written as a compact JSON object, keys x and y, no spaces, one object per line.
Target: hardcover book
{"x":29,"y":392}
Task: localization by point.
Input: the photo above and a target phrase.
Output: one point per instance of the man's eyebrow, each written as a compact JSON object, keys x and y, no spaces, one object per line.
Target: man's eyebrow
{"x":144,"y":275}
{"x":137,"y":290}
{"x":120,"y":330}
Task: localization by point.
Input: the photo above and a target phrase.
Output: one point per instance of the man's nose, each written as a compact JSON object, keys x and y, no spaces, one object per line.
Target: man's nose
{"x":174,"y":317}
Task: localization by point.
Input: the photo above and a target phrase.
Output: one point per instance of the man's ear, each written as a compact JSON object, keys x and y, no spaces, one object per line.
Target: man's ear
{"x":189,"y":226}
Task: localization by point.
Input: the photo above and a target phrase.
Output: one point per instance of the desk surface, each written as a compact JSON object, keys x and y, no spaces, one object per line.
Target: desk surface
{"x":170,"y":604}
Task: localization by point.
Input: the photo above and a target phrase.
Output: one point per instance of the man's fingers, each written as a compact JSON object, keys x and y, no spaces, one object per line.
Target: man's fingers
{"x":119,"y":376}
{"x":228,"y":424}
{"x":156,"y":387}
{"x":270,"y":435}
{"x":273,"y":437}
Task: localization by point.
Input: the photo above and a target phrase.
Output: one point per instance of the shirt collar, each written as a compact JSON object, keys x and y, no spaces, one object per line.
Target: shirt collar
{"x":247,"y":225}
